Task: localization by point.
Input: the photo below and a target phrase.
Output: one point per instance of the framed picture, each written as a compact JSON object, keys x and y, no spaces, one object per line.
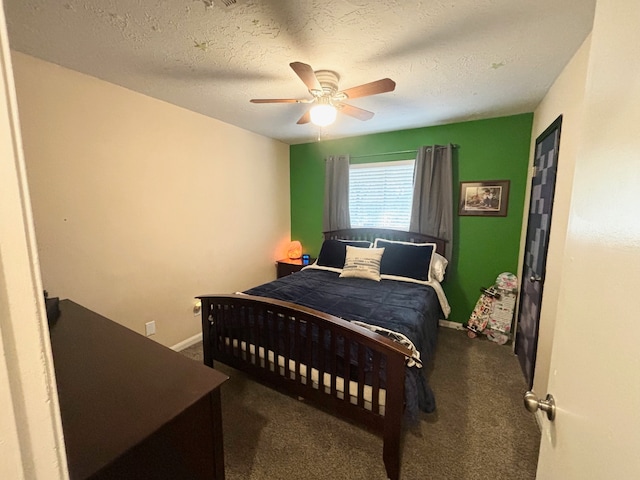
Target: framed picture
{"x":487,"y":198}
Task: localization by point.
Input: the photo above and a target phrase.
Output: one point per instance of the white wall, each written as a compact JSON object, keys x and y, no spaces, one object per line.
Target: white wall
{"x":566,"y":98}
{"x":140,"y":205}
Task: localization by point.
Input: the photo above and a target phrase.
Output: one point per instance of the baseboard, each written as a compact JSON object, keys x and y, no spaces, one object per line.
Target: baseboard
{"x":450,"y":324}
{"x":188,"y":342}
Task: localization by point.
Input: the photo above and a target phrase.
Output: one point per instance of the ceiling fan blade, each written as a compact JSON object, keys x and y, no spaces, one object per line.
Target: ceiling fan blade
{"x":373,"y":88}
{"x":274,"y":100}
{"x":307,"y":75}
{"x":355,"y":112}
{"x":306,"y":118}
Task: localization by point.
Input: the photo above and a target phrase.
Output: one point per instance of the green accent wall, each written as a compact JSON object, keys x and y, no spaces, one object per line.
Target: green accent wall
{"x":494,"y":149}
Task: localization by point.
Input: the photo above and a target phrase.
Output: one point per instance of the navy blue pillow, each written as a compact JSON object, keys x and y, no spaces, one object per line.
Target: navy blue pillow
{"x":406,"y":260}
{"x":334,"y":252}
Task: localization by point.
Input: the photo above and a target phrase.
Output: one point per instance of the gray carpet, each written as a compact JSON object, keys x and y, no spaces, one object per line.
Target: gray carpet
{"x":479,"y":431}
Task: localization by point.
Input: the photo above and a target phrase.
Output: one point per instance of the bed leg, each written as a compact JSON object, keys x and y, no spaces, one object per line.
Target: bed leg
{"x":392,"y":432}
{"x":391,"y":456}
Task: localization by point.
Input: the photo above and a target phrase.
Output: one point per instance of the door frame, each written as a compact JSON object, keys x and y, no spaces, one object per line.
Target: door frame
{"x":31,"y":436}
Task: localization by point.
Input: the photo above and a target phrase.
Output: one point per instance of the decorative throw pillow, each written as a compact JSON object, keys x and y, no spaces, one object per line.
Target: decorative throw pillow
{"x":406,"y":260}
{"x":333,"y":252}
{"x":362,"y":263}
{"x":357,"y":243}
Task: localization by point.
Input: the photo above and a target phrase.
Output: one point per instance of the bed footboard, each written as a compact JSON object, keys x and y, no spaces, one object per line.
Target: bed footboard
{"x":341,"y":367}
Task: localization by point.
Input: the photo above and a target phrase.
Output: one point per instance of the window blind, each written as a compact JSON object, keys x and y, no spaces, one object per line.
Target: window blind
{"x":380,"y":194}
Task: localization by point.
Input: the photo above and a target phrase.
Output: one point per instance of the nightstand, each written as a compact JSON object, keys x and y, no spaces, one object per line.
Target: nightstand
{"x":287,"y":266}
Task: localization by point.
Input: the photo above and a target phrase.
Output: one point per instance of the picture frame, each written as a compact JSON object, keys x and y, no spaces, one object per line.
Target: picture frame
{"x":486,"y":198}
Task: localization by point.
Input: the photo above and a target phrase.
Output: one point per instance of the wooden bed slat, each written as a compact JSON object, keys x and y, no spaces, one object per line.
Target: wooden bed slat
{"x":361,"y":375}
{"x":246,"y":332}
{"x":375,"y":383}
{"x":334,"y":364}
{"x":298,"y":349}
{"x":287,"y":345}
{"x":321,"y":357}
{"x":347,"y":369}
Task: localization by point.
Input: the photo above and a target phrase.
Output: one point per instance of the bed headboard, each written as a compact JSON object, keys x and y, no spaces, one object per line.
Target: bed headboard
{"x":371,"y":234}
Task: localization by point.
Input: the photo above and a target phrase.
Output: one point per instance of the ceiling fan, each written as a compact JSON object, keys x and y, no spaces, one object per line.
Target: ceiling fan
{"x":327,"y":99}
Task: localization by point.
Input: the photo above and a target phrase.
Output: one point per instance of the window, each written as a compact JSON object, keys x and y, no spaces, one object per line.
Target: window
{"x":380,"y":194}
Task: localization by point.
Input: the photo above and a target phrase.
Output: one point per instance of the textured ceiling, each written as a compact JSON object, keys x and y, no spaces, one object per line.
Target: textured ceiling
{"x":452,"y":60}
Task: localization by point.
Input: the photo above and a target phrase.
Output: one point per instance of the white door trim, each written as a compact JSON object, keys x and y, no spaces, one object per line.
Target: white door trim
{"x":31,"y":438}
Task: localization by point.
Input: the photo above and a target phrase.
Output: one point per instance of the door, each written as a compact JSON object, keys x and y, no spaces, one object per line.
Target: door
{"x":594,"y":372}
{"x":595,"y":359}
{"x":543,"y":185}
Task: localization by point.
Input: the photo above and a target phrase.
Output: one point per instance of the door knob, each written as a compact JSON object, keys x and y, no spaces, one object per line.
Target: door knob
{"x":533,"y":403}
{"x":534,"y":278}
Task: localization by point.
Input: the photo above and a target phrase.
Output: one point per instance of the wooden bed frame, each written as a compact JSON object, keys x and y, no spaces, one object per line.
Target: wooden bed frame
{"x":268,"y":340}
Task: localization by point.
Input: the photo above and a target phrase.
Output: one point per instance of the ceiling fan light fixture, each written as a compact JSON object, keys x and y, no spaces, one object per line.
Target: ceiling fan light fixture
{"x":327,"y":98}
{"x":323,"y":114}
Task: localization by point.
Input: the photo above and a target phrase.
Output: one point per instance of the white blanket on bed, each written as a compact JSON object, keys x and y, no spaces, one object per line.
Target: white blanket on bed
{"x":444,"y":303}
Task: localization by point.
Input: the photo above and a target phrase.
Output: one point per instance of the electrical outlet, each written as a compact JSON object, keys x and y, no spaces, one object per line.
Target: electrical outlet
{"x":150,"y":328}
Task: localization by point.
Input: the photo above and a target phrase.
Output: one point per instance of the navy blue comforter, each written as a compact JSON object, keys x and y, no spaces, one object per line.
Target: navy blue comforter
{"x":408,"y":308}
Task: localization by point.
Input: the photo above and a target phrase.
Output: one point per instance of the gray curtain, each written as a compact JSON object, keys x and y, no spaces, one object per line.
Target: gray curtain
{"x":336,"y":193}
{"x":432,"y":208}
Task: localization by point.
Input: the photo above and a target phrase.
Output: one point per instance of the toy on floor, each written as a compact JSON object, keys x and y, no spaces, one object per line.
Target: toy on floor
{"x":493,"y":313}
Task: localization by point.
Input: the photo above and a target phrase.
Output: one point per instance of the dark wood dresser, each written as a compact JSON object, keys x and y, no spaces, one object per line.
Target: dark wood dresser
{"x":130,"y":407}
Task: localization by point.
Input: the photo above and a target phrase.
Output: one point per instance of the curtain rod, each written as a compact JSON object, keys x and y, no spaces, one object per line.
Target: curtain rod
{"x":389,"y":153}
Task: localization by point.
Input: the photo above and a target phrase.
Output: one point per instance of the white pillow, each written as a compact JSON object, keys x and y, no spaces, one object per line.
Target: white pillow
{"x":362,"y":263}
{"x":438,"y":266}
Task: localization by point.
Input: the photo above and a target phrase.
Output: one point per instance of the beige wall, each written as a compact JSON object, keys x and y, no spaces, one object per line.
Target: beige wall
{"x":140,"y":205}
{"x":565,"y":97}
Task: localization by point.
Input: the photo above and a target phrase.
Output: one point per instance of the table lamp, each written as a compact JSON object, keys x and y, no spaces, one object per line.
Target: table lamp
{"x":295,"y":250}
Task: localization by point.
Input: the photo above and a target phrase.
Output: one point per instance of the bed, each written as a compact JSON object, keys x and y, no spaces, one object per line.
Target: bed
{"x":344,"y":341}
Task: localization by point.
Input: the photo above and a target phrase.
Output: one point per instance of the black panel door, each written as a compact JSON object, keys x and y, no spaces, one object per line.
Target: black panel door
{"x":543,"y":187}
